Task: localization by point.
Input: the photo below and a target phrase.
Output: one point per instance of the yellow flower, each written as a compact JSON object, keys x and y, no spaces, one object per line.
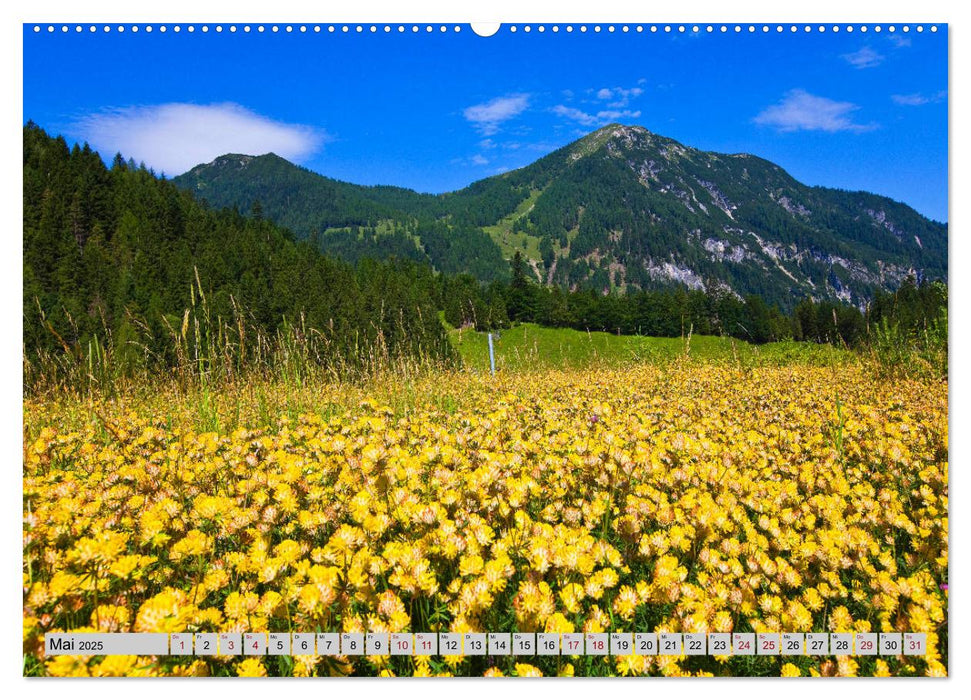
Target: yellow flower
{"x":115,"y":666}
{"x":194,"y":543}
{"x":239,"y":605}
{"x":110,"y":618}
{"x":558,"y":623}
{"x":470,"y":565}
{"x":251,"y":668}
{"x":196,"y":668}
{"x":626,"y":603}
{"x":571,"y":595}
{"x":100,"y":549}
{"x":936,"y":669}
{"x":67,"y":666}
{"x":167,"y":611}
{"x":632,"y":665}
{"x":527,"y":671}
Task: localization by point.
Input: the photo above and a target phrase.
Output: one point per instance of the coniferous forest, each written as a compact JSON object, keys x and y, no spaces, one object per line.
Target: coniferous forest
{"x":118,"y":259}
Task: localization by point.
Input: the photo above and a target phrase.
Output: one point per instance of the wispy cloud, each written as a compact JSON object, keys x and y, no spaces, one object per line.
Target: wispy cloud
{"x":612,"y":115}
{"x":539,"y":146}
{"x":600,"y":106}
{"x":488,"y":116}
{"x":899,"y":40}
{"x":916,"y":99}
{"x":594,"y":119}
{"x":802,"y":111}
{"x":577,"y":115}
{"x":619,"y":96}
{"x":864,"y":58}
{"x":174,"y":137}
{"x":476,"y":160}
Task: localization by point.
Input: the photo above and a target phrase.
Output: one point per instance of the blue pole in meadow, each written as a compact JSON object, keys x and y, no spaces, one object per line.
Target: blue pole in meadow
{"x":492,"y":357}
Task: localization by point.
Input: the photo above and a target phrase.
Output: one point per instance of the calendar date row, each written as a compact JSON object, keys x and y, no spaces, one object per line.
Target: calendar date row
{"x":489,"y":644}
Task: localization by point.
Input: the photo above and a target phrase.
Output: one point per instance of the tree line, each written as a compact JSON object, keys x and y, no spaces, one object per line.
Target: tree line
{"x":913,"y":308}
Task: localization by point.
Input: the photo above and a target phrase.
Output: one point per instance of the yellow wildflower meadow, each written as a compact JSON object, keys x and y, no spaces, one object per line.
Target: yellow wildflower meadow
{"x":691,"y":497}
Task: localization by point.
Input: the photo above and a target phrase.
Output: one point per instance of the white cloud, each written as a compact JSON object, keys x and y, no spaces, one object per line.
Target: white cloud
{"x":488,"y":116}
{"x":577,"y":115}
{"x":801,"y":111}
{"x":487,"y":143}
{"x":621,"y":96}
{"x":913,"y":100}
{"x":174,"y":137}
{"x":598,"y":119}
{"x":864,"y":58}
{"x":466,"y":161}
{"x":917,"y":99}
{"x":899,"y":40}
{"x":611,"y":115}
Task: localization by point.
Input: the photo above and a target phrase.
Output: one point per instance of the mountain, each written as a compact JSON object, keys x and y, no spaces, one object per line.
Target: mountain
{"x":622,"y":208}
{"x":349,"y":221}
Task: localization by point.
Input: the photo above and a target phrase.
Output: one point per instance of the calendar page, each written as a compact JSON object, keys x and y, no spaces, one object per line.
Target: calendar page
{"x":524,"y":349}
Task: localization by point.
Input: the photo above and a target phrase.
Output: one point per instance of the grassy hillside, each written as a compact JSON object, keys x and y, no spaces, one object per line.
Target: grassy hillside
{"x":510,"y":241}
{"x":529,"y":346}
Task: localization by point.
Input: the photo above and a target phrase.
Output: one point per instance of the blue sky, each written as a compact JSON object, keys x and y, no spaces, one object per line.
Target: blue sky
{"x":435,"y":111}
